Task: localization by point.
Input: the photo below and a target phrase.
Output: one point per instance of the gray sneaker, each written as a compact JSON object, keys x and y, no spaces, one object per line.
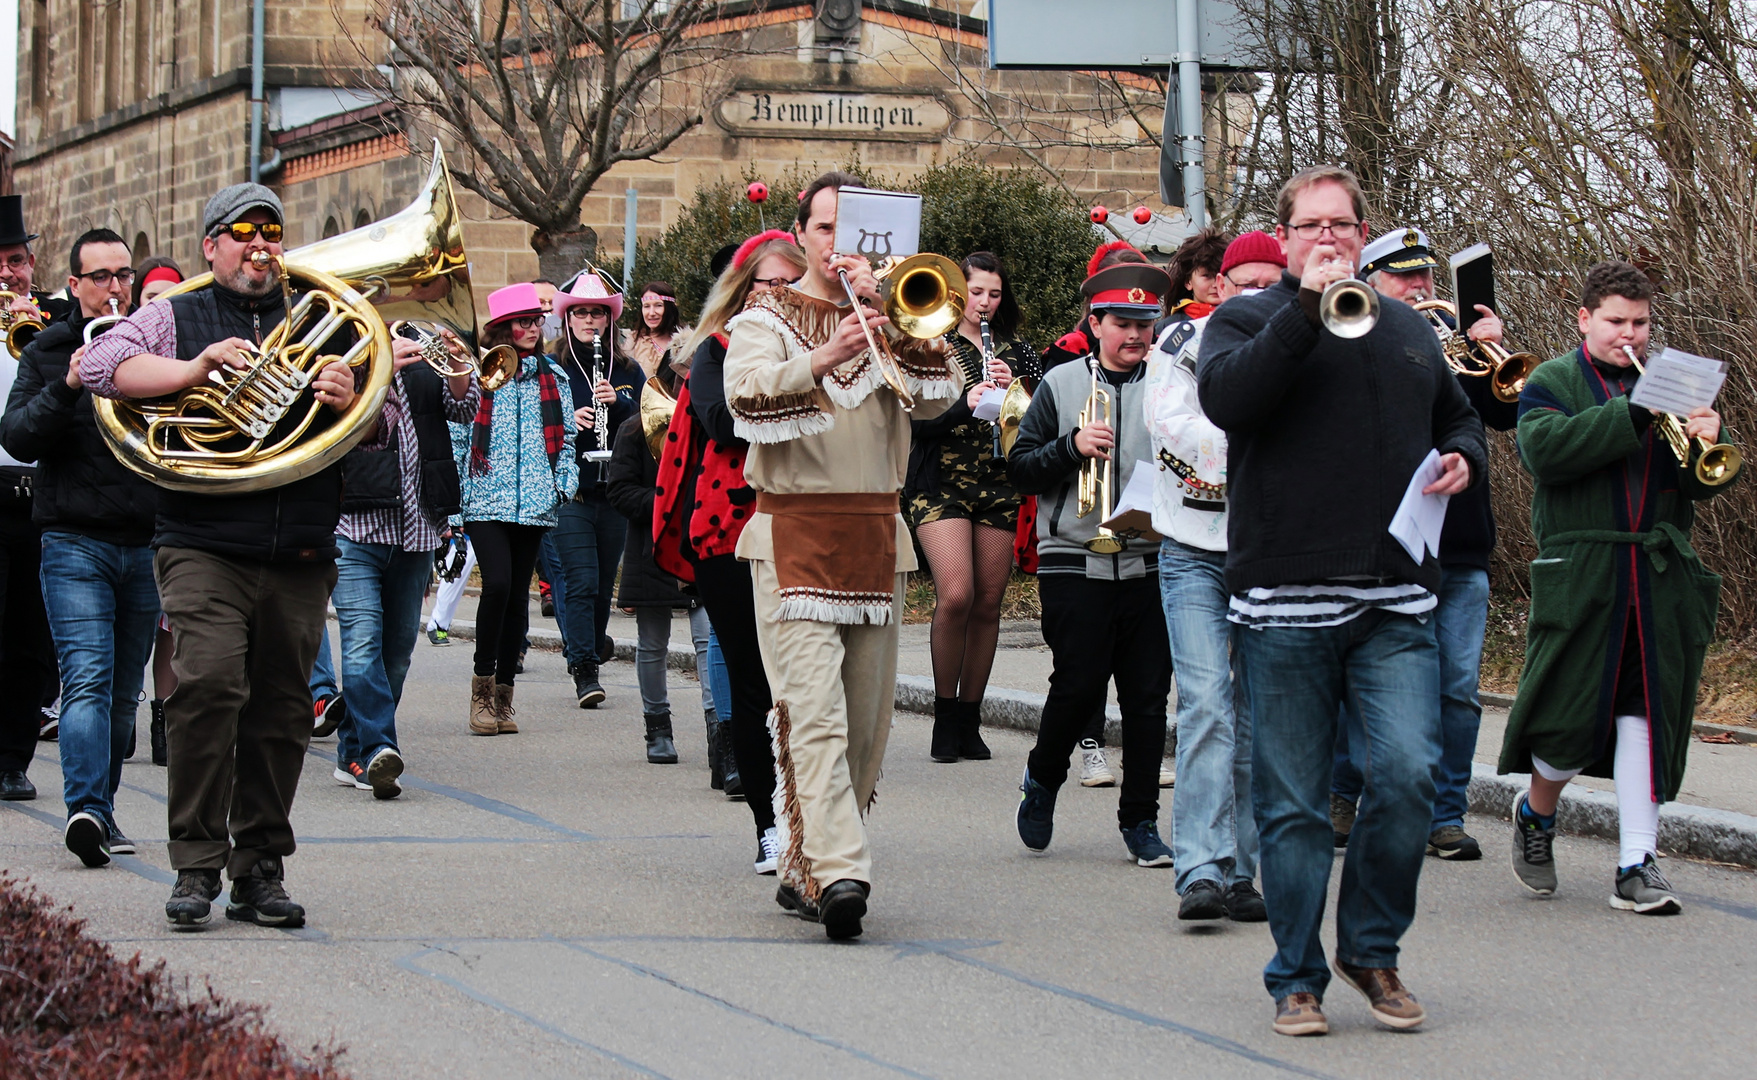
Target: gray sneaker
{"x":1534,"y":859}
{"x":1645,"y":891}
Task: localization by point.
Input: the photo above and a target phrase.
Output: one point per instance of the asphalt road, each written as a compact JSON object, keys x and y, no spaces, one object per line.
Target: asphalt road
{"x":549,"y":905}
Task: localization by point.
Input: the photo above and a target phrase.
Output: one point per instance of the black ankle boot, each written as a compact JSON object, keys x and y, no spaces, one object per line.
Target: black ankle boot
{"x":716,"y":778}
{"x":156,"y":733}
{"x":729,"y":764}
{"x":970,"y":744}
{"x":945,"y":730}
{"x":661,"y":748}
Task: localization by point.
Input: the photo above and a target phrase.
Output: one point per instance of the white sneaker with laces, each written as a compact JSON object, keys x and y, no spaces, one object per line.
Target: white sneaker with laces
{"x":1094,"y":769}
{"x":768,"y":851}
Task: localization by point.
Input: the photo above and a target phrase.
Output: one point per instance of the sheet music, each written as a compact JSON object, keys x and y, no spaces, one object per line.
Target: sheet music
{"x":1132,"y":519}
{"x":877,"y":224}
{"x":1678,"y":382}
{"x":1420,"y":518}
{"x":989,"y":406}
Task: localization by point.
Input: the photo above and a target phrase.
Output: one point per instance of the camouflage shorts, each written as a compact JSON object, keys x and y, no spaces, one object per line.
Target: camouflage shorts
{"x":994,"y":506}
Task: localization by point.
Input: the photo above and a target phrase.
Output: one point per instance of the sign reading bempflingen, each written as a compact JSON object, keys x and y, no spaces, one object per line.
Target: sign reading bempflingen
{"x":826,"y":113}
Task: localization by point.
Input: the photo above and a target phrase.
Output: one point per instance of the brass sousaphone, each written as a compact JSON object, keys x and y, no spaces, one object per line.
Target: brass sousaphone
{"x":258,"y":428}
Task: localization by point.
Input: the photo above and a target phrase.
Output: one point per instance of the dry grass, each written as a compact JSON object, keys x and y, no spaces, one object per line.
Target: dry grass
{"x":1018,"y":604}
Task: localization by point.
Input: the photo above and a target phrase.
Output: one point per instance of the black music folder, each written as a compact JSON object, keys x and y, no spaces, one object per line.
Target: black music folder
{"x":1473,"y":283}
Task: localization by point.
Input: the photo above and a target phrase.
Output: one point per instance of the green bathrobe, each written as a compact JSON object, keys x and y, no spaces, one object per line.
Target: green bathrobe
{"x":1611,"y":515}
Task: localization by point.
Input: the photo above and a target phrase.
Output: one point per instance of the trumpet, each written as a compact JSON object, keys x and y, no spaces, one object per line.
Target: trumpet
{"x":1349,"y":308}
{"x":1506,"y":371}
{"x":493,"y":368}
{"x":923,"y":297}
{"x":600,"y":411}
{"x":1096,"y":484}
{"x":1716,"y":464}
{"x":94,"y":327}
{"x":18,"y":326}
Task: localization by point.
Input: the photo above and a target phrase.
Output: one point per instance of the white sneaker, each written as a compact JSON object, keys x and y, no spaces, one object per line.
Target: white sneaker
{"x":348,"y":779}
{"x":768,"y":851}
{"x":1167,"y":777}
{"x":1094,"y":769}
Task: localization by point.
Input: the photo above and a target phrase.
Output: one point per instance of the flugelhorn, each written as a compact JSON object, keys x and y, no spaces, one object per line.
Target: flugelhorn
{"x":18,"y":326}
{"x":1097,"y":474}
{"x":1717,"y":463}
{"x":493,"y":368}
{"x":1506,"y":371}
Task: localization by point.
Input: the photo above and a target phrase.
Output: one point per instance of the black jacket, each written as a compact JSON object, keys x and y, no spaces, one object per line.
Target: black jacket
{"x":293,"y":522}
{"x":929,"y":437}
{"x":1469,"y":536}
{"x":424,"y":391}
{"x":1324,"y":434}
{"x":627,"y":378}
{"x":79,"y":487}
{"x":631,"y":475}
{"x":707,"y":394}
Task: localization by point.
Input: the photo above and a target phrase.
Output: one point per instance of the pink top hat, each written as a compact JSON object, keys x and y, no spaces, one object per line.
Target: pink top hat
{"x":513,"y":301}
{"x":589,"y":288}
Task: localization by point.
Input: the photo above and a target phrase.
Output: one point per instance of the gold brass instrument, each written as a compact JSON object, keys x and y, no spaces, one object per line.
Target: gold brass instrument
{"x":923,"y":297}
{"x":1014,"y":405}
{"x":1096,"y":484}
{"x":1717,"y":464}
{"x":493,"y":368}
{"x":657,"y":405}
{"x":257,"y":428}
{"x":98,"y":325}
{"x":1349,"y":308}
{"x":18,"y":326}
{"x":1506,"y":371}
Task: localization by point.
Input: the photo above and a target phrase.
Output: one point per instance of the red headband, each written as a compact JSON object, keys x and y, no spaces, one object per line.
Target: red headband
{"x":757,"y":241}
{"x":161,"y":273}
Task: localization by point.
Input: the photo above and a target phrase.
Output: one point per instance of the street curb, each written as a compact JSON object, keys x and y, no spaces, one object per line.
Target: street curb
{"x":1700,"y":831}
{"x":1721,"y":732}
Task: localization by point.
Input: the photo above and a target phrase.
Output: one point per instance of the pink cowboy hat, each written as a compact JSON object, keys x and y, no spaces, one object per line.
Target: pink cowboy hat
{"x":589,"y":288}
{"x":513,"y":301}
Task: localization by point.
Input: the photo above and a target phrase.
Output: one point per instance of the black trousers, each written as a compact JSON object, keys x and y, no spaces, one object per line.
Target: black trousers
{"x":724,"y":585}
{"x":505,"y":554}
{"x":27,"y":653}
{"x":1097,"y":630}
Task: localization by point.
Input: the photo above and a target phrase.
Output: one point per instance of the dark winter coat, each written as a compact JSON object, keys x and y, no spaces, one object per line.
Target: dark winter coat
{"x":630,"y":476}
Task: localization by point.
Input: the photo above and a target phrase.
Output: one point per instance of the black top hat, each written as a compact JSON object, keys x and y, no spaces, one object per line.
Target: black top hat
{"x":12,"y":221}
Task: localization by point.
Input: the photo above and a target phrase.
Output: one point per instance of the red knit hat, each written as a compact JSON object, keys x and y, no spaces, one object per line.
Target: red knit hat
{"x":1253,"y":247}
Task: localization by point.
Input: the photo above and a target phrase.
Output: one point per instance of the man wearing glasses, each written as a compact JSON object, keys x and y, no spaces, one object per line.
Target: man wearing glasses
{"x":18,"y":265}
{"x":245,"y":580}
{"x":1323,"y":436}
{"x":96,"y":519}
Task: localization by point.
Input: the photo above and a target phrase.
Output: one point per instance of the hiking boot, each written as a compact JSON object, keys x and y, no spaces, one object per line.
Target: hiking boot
{"x":661,"y":745}
{"x":328,"y":712}
{"x":1390,"y":1001}
{"x":438,"y":637}
{"x":1300,"y":1014}
{"x":1094,"y":770}
{"x":1534,"y":856}
{"x":156,"y":734}
{"x":1036,"y":815}
{"x":1245,"y":904}
{"x":1452,"y":842}
{"x":89,"y":838}
{"x":1144,"y":844}
{"x":258,"y":897}
{"x":1342,"y":814}
{"x":382,"y":772}
{"x":1203,"y":900}
{"x":841,"y":908}
{"x":768,"y":851}
{"x":192,"y":897}
{"x":970,"y":744}
{"x":943,"y":747}
{"x":1644,"y":890}
{"x":585,"y":685}
{"x":482,"y":720}
{"x":503,"y":710}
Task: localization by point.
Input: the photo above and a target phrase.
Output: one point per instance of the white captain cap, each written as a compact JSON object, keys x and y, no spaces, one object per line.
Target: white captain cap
{"x":1398,"y":251}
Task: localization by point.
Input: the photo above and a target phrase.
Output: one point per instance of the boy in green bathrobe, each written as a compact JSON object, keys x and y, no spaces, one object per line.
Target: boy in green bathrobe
{"x":1621,"y":609}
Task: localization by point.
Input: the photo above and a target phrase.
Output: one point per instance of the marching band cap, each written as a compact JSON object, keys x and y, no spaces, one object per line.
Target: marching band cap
{"x":12,"y":221}
{"x":1398,"y":252}
{"x":1128,"y":290}
{"x":231,"y":203}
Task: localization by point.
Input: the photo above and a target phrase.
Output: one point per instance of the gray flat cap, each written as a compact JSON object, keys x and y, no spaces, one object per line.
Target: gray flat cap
{"x":231,"y":203}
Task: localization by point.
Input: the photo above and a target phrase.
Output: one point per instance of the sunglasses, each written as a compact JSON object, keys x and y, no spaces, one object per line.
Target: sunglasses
{"x":242,"y":231}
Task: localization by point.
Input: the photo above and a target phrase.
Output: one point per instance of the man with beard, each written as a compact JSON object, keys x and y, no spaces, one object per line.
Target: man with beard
{"x":244,"y":579}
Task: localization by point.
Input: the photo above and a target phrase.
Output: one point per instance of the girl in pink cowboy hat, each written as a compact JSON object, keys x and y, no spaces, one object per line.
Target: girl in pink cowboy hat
{"x":519,"y":470}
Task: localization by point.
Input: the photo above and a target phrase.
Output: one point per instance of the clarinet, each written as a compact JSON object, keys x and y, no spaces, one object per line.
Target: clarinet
{"x":600,"y":411}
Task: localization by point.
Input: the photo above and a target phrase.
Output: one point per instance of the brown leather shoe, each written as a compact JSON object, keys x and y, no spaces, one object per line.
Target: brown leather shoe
{"x":503,"y":710}
{"x":1300,"y":1014}
{"x":1391,"y":1002}
{"x":482,"y":721}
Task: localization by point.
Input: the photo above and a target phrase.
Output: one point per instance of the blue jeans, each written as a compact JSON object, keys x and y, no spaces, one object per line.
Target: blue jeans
{"x":102,"y":604}
{"x":718,"y":682}
{"x":1386,"y":666}
{"x":1213,"y":832}
{"x":378,"y":604}
{"x":1458,"y":629}
{"x":588,"y":537}
{"x":550,"y":564}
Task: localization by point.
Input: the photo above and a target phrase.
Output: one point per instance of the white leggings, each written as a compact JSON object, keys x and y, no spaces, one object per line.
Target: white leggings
{"x":445,"y":605}
{"x":1637,"y":811}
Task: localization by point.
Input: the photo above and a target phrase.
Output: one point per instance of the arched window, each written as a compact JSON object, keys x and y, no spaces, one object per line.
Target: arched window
{"x":362,"y":218}
{"x":142,"y":246}
{"x":330,"y":228}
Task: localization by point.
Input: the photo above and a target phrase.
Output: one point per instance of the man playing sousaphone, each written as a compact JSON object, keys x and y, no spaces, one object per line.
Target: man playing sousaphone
{"x":245,"y":580}
{"x":828,"y":549}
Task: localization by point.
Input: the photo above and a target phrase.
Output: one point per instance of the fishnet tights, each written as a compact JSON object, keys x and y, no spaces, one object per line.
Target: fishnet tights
{"x":970,"y":566}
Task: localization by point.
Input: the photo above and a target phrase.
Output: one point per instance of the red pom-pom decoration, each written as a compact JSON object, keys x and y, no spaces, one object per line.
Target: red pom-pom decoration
{"x":1143,"y":215}
{"x":757,"y":192}
{"x":1100,"y":215}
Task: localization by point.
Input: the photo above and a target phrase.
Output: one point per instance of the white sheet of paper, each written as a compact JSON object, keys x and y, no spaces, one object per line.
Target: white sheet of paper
{"x":877,"y":224}
{"x":1420,"y":518}
{"x":988,"y":407}
{"x":1677,"y":382}
{"x":1133,"y":513}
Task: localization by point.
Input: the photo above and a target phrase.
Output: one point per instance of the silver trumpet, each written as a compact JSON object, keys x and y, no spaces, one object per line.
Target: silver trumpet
{"x":94,"y":327}
{"x":1349,"y":308}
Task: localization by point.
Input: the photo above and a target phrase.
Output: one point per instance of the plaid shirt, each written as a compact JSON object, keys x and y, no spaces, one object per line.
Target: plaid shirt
{"x":409,"y":526}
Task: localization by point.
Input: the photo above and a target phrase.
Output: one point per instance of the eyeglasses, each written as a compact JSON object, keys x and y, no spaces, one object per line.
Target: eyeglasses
{"x":775,"y":283}
{"x":242,"y":231}
{"x":1248,"y":284}
{"x":588,"y":311}
{"x":526,"y":322}
{"x":17,"y":262}
{"x":102,"y":278}
{"x":1311,"y":230}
